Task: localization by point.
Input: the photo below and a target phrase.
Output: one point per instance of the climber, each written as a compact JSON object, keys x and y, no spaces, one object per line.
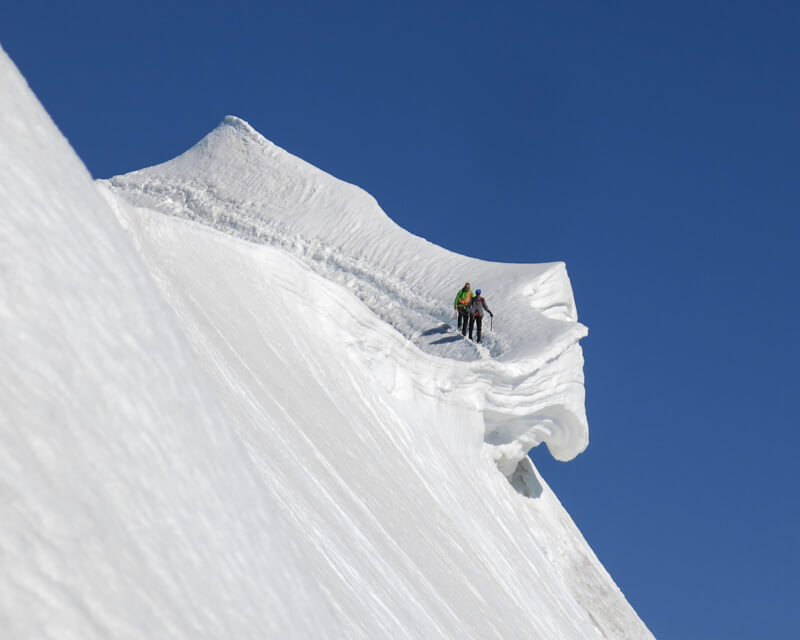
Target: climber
{"x":475,"y":311}
{"x":463,"y":298}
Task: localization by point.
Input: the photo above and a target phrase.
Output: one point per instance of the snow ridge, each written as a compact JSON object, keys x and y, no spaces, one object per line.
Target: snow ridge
{"x":239,"y":183}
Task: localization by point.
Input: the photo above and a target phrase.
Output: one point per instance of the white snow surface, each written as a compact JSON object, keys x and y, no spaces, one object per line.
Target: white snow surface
{"x":252,"y":417}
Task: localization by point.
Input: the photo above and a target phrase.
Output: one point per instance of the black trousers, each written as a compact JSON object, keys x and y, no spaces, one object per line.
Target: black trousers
{"x":462,"y":321}
{"x":475,"y":320}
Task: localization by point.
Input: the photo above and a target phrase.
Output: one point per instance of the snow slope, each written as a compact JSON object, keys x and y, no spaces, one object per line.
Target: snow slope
{"x":258,"y":426}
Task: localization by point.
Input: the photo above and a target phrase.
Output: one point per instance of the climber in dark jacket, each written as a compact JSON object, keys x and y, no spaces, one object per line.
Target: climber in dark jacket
{"x":475,"y":310}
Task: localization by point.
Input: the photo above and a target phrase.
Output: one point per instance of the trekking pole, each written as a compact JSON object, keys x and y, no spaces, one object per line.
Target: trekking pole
{"x":491,"y":322}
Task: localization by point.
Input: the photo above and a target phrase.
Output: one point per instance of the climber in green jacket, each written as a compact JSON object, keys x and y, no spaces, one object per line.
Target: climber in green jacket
{"x":463,"y":298}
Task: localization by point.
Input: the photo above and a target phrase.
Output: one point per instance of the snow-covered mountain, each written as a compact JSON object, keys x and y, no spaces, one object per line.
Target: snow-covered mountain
{"x":252,"y":417}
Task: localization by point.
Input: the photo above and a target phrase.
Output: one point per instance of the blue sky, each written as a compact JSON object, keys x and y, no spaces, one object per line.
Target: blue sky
{"x":654,"y":149}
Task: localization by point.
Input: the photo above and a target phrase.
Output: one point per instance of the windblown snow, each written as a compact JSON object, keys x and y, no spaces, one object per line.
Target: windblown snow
{"x":233,"y":404}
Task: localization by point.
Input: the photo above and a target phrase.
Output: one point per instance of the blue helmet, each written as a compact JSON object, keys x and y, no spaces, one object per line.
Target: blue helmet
{"x":478,"y":291}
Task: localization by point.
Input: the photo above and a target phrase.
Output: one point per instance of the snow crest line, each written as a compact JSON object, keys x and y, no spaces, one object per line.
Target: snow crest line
{"x":528,"y":376}
{"x":387,"y":296}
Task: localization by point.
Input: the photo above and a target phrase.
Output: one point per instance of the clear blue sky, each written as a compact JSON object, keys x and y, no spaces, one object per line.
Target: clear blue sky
{"x":653,"y":147}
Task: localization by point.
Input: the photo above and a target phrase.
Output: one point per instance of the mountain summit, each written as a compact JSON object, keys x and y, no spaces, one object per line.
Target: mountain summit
{"x":251,"y":418}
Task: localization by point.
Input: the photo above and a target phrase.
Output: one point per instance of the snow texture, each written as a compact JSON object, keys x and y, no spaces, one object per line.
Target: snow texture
{"x":252,"y":417}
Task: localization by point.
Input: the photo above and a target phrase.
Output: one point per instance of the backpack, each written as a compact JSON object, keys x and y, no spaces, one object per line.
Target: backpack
{"x":476,"y":306}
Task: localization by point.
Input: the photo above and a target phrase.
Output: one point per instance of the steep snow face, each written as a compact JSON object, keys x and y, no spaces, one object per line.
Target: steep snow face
{"x":129,"y":506}
{"x":202,"y":437}
{"x":240,"y":183}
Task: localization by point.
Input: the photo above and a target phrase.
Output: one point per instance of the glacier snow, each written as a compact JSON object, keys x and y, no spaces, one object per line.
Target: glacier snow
{"x":233,"y":404}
